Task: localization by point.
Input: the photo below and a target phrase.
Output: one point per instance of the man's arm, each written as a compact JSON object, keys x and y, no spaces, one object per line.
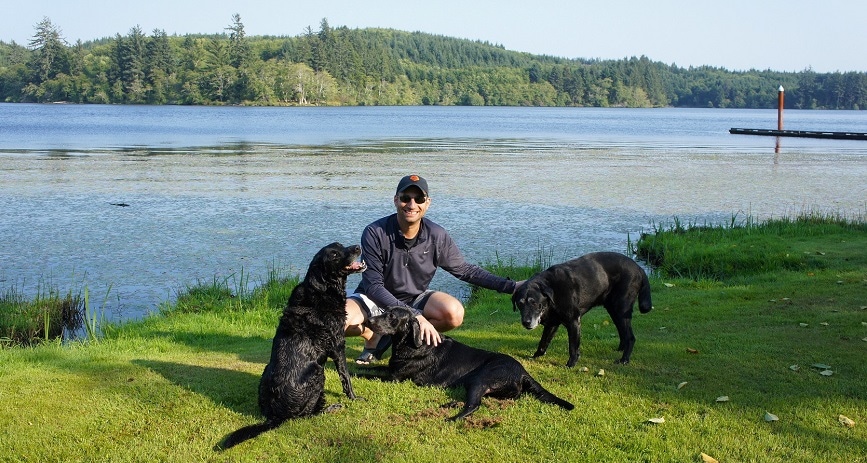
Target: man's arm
{"x":373,"y":279}
{"x":453,"y":262}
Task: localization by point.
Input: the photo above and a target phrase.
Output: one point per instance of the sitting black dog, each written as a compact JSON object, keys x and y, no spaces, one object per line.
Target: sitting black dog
{"x":310,"y":331}
{"x":452,"y":364}
{"x":565,"y":292}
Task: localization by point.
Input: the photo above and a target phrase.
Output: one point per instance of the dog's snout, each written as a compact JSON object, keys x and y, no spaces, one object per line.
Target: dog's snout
{"x":530,"y":322}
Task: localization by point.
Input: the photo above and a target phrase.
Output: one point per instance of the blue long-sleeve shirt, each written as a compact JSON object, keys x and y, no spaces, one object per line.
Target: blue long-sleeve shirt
{"x":396,"y":275}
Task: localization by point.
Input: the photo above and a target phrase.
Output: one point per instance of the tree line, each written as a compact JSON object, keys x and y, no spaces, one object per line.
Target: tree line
{"x":342,"y":66}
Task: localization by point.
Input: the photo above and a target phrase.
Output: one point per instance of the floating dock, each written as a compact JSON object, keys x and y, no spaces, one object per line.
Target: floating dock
{"x":801,"y":133}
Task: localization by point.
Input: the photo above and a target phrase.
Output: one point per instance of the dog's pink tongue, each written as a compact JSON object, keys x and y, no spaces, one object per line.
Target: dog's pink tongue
{"x":357,"y":266}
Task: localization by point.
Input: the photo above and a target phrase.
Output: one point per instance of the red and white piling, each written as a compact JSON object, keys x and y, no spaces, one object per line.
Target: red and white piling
{"x":780,"y":110}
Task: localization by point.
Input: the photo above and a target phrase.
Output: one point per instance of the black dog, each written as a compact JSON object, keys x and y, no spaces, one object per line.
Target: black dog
{"x":310,"y":331}
{"x":452,"y":364}
{"x":564,"y":292}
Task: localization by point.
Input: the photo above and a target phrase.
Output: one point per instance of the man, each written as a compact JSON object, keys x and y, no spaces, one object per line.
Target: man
{"x":402,"y":252}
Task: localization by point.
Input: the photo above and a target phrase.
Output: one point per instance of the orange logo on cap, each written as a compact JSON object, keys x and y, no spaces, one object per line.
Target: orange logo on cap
{"x":414,"y":178}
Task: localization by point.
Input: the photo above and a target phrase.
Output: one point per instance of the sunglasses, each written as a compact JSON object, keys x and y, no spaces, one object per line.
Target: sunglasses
{"x":419,"y":199}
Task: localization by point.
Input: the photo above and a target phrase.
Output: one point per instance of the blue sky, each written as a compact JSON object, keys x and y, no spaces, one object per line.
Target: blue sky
{"x":791,"y":35}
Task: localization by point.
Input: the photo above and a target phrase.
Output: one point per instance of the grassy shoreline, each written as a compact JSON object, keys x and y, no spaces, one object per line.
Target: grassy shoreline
{"x":169,"y":387}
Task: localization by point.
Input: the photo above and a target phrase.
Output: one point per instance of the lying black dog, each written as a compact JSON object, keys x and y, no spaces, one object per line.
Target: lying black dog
{"x":452,"y":364}
{"x":564,"y":292}
{"x":310,"y":331}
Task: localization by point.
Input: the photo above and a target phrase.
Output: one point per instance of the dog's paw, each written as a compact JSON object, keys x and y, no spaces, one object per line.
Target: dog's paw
{"x":333,"y":408}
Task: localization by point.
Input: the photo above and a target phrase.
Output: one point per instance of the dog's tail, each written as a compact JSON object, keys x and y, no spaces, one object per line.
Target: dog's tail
{"x":644,"y":302}
{"x":247,"y":432}
{"x":532,"y":387}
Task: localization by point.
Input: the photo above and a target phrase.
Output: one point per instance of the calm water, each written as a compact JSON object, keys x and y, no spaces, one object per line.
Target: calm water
{"x":214,"y":192}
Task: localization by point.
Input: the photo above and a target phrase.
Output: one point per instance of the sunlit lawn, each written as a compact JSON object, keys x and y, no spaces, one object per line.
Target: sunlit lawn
{"x":713,"y":362}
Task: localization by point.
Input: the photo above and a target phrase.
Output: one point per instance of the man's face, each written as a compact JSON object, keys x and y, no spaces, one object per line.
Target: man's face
{"x":411,"y":205}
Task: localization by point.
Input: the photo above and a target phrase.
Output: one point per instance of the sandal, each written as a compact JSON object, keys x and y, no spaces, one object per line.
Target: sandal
{"x":370,"y":354}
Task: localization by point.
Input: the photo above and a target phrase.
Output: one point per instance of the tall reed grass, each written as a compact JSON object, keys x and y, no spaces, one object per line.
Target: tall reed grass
{"x":741,"y":247}
{"x":48,"y":316}
{"x":234,"y":293}
{"x":94,"y":319}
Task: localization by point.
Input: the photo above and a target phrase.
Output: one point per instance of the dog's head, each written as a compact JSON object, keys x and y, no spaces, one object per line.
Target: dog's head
{"x":399,"y":322}
{"x":336,"y":261}
{"x":533,"y":299}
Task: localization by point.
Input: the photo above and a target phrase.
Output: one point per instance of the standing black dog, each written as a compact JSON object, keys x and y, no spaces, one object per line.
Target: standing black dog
{"x":564,"y":292}
{"x":310,"y":331}
{"x":452,"y":364}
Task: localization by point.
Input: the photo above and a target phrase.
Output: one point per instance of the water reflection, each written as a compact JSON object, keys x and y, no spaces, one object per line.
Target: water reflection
{"x":200,"y":213}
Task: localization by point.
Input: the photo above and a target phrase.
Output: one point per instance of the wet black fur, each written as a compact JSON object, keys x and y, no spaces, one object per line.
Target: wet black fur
{"x":564,"y":292}
{"x":452,"y":364}
{"x":310,"y":331}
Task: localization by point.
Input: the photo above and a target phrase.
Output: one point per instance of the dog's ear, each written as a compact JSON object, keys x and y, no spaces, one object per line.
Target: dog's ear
{"x":519,"y":296}
{"x":548,"y":292}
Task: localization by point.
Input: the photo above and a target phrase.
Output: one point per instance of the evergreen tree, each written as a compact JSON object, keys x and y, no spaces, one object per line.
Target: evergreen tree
{"x":321,"y":44}
{"x":220,"y":73}
{"x":50,"y":51}
{"x":158,"y":54}
{"x":131,"y":63}
{"x":239,"y":49}
{"x":158,"y":67}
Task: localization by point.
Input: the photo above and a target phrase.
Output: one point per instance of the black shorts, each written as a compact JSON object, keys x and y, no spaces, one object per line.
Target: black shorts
{"x":373,"y":310}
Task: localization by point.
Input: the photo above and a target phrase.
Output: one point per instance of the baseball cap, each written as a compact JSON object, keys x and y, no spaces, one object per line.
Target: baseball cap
{"x":411,"y":180}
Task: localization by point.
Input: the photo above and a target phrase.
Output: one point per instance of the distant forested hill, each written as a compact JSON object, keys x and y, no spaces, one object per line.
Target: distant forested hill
{"x":342,"y":66}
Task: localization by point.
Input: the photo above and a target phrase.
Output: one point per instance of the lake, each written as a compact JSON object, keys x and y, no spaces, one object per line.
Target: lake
{"x":221,"y":192}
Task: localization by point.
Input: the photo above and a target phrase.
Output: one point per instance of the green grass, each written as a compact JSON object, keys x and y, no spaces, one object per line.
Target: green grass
{"x":170,"y":387}
{"x":749,"y":248}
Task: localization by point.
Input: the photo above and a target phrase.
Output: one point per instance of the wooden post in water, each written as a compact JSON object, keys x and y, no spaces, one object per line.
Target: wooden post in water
{"x":780,"y":110}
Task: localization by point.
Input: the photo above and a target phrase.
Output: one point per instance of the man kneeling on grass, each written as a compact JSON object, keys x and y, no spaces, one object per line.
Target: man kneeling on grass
{"x":402,"y":252}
